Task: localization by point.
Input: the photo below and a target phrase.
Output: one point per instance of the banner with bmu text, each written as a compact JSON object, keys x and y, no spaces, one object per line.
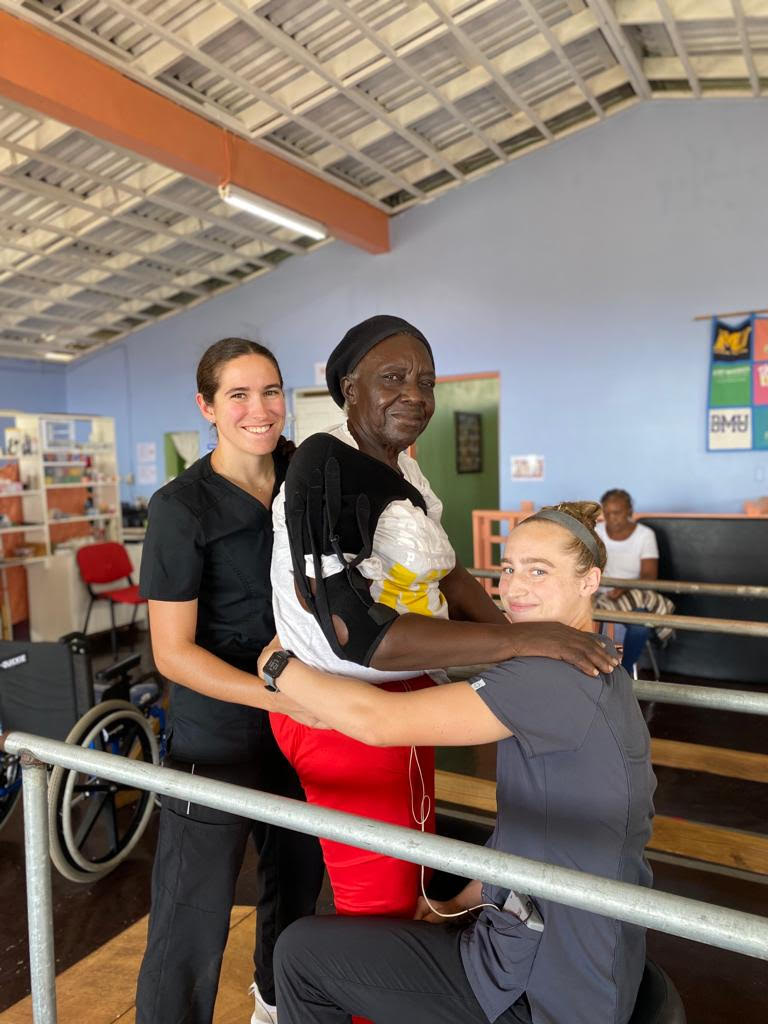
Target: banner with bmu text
{"x":737,"y":417}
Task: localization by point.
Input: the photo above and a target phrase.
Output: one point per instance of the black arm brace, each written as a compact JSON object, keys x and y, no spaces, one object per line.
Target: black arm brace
{"x":334,"y":496}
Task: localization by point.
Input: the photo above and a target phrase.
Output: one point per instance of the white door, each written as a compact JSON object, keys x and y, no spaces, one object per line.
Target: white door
{"x":313,"y":411}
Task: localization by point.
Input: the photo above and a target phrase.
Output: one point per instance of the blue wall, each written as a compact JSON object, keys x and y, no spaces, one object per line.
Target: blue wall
{"x":575,"y":271}
{"x":31,"y":386}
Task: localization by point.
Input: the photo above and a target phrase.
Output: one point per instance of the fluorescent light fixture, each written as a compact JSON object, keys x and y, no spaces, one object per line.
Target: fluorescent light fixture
{"x":59,"y":357}
{"x":242,"y":200}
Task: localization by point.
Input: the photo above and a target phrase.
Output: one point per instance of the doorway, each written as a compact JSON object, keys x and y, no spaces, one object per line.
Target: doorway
{"x":181,"y":449}
{"x":459,"y":452}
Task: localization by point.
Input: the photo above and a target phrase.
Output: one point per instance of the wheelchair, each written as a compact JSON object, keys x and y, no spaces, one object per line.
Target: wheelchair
{"x":50,"y":689}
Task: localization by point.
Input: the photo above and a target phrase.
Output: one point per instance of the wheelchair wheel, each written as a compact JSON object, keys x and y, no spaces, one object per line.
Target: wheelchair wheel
{"x":95,"y":823}
{"x":10,"y":786}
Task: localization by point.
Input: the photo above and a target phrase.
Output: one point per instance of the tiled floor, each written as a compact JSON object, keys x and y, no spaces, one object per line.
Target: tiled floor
{"x":99,"y":928}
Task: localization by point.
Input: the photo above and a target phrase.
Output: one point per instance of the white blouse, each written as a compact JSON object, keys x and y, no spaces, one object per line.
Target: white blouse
{"x":410,"y":554}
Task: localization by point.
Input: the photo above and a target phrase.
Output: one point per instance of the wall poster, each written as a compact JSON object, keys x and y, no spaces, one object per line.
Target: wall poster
{"x":469,"y":442}
{"x":737,"y":414}
{"x":527,"y":467}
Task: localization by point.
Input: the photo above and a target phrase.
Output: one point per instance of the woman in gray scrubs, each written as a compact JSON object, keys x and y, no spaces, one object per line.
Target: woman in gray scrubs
{"x":574,"y":787}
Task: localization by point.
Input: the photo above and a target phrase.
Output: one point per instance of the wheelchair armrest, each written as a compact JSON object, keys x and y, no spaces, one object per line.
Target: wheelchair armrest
{"x":118,"y":669}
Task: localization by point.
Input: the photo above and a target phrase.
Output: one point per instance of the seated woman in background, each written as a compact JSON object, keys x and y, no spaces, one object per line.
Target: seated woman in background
{"x":574,"y":787}
{"x":631,"y":554}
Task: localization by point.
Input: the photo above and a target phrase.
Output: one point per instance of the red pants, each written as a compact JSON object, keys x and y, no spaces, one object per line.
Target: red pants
{"x":375,"y":782}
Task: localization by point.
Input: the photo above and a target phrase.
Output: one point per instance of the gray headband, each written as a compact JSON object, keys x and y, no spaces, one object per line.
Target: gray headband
{"x":572,"y":525}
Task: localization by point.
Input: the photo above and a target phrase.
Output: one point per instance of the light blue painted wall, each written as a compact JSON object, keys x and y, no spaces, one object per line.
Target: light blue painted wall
{"x":575,"y":271}
{"x":31,"y":386}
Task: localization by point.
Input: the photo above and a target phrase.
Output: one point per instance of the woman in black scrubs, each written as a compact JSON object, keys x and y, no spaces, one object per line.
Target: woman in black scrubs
{"x":205,"y":572}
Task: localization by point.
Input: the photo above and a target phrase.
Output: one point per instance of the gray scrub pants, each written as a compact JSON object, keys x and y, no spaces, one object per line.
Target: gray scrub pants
{"x":390,"y":971}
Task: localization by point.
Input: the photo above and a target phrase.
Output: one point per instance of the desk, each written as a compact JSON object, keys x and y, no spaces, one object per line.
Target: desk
{"x":58,"y":598}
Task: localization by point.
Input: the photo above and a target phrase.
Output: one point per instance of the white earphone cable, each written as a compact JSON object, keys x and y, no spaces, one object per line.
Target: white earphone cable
{"x":421,"y":819}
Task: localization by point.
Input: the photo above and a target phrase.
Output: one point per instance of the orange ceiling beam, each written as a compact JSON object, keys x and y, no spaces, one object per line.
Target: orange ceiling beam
{"x":40,"y":71}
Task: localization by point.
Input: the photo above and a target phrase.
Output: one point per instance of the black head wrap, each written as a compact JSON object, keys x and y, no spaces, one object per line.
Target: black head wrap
{"x":358,"y":342}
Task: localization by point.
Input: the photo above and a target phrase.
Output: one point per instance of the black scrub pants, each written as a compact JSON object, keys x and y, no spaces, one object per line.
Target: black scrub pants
{"x":199,"y":854}
{"x":390,"y":971}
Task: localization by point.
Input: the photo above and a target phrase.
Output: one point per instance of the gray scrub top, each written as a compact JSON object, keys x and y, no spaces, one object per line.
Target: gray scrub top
{"x":574,"y":787}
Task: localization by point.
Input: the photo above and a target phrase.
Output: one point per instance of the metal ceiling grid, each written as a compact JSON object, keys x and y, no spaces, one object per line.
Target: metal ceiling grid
{"x":394,"y":100}
{"x":61,"y":190}
{"x":710,"y":37}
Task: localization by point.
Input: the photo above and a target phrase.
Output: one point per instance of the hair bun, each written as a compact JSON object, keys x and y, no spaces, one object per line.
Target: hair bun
{"x":587,"y":512}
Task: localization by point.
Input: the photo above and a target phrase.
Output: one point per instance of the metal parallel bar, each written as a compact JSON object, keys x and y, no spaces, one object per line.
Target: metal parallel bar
{"x":713,"y":697}
{"x":42,"y":965}
{"x":747,"y":702}
{"x":692,"y":622}
{"x":677,"y":915}
{"x":665,"y":586}
{"x":679,"y":587}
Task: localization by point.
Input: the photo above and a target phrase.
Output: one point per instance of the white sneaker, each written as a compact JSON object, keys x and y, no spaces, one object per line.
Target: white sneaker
{"x":264,"y":1012}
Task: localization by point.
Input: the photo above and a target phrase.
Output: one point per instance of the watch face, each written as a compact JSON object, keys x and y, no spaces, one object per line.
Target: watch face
{"x":275,"y":664}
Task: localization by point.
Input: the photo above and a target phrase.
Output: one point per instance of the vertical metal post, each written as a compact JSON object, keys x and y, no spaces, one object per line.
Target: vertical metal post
{"x":42,"y":967}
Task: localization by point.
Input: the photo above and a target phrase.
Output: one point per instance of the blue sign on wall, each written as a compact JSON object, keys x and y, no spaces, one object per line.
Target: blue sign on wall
{"x":737,"y":414}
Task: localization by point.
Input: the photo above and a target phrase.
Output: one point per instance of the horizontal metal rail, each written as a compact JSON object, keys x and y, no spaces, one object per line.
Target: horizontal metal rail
{"x":693,"y":623}
{"x":666,"y":586}
{"x":680,"y":587}
{"x":748,"y":702}
{"x":714,"y":697}
{"x":677,"y":915}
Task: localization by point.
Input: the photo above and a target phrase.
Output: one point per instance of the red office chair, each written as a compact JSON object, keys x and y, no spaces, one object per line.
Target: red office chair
{"x":106,"y":563}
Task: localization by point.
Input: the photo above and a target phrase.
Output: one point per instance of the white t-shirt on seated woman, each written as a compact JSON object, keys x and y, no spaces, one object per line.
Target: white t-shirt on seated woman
{"x":625,"y":556}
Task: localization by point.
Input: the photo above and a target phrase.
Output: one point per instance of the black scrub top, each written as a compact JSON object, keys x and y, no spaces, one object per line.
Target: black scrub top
{"x":209,"y":540}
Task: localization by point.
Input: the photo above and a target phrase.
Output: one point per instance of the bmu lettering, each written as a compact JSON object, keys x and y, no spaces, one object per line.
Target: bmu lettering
{"x":738,"y":423}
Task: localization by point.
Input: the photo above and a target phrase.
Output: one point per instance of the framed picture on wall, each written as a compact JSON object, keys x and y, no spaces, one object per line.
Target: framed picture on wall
{"x":469,"y":442}
{"x":527,"y":467}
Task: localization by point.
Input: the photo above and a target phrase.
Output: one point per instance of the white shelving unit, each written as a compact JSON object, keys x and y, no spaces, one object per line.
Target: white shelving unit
{"x":66,"y":469}
{"x":55,"y":452}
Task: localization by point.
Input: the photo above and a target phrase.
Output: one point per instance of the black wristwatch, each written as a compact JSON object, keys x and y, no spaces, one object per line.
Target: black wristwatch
{"x":275,"y":664}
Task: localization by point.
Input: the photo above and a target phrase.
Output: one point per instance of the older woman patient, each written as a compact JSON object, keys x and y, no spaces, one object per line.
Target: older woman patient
{"x":631,"y":553}
{"x":364,"y":581}
{"x":574,"y":787}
